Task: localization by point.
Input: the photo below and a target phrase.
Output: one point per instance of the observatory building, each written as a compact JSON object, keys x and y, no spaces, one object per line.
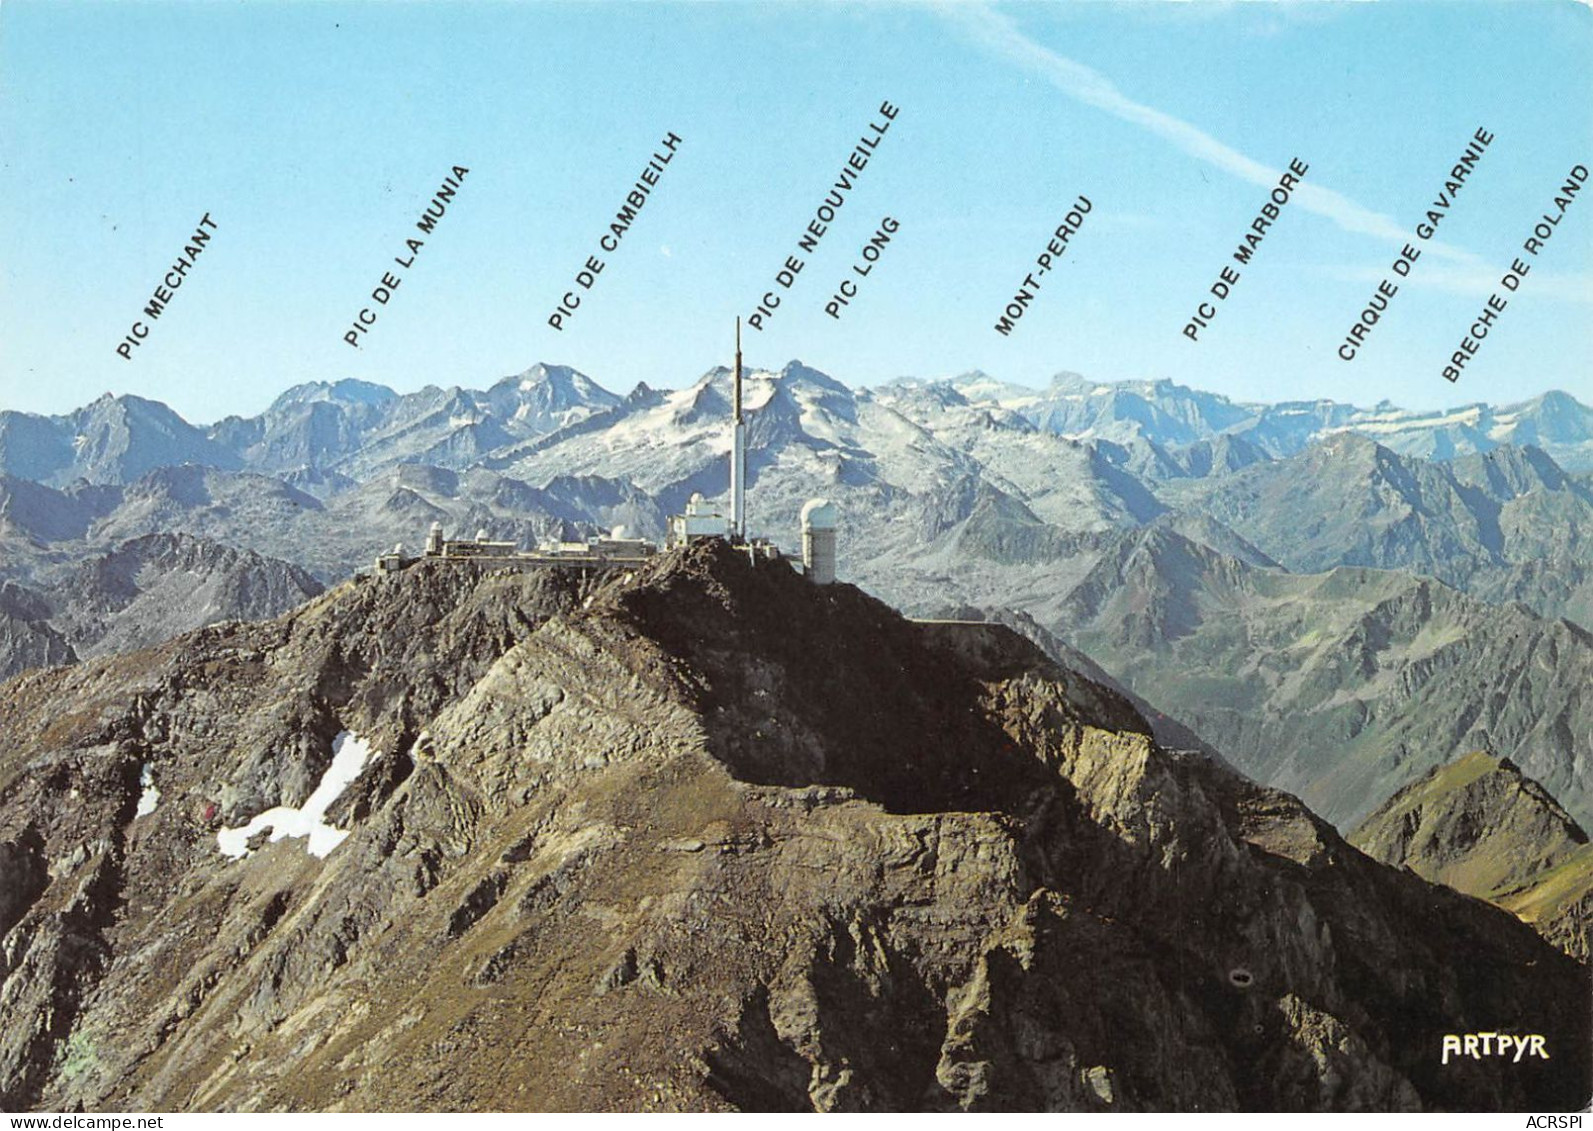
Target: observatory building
{"x":819,"y":519}
{"x":607,"y":551}
{"x":699,"y":519}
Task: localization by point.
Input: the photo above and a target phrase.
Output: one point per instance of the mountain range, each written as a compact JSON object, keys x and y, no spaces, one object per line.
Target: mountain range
{"x":699,"y":836}
{"x":1333,"y":597}
{"x":355,"y":427}
{"x":707,"y":836}
{"x":1337,"y":686}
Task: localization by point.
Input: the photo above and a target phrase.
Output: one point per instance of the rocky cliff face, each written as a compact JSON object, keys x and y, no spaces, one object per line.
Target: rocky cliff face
{"x":701,"y":837}
{"x":27,"y":638}
{"x":1506,"y":525}
{"x":1338,"y":686}
{"x":152,"y":588}
{"x":1483,"y":827}
{"x":144,"y":591}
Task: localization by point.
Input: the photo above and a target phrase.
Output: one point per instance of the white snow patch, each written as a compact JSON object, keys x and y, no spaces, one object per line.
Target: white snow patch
{"x":816,"y":420}
{"x":1390,"y":424}
{"x":349,"y":755}
{"x":151,"y":796}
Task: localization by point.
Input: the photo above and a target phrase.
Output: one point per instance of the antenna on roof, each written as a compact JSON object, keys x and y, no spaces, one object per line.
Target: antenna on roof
{"x":738,"y":454}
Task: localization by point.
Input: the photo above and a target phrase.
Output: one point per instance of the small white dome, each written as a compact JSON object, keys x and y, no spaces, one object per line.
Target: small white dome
{"x":819,"y":514}
{"x":619,"y":533}
{"x":696,"y":496}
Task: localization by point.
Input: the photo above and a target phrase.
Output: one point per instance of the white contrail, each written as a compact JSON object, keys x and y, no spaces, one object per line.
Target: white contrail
{"x":1475,"y":282}
{"x":997,"y":32}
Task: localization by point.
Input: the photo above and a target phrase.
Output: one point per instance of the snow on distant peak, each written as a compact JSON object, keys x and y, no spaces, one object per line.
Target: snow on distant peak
{"x":758,"y":388}
{"x":980,"y":388}
{"x":561,"y":385}
{"x":349,"y":390}
{"x":349,"y":755}
{"x":1401,"y":420}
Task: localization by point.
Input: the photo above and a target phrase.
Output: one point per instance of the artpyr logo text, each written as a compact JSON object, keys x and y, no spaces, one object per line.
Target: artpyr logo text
{"x":1481,"y":1045}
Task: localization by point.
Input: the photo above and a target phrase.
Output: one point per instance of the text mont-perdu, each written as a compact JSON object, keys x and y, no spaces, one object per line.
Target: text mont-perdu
{"x":1056,"y":247}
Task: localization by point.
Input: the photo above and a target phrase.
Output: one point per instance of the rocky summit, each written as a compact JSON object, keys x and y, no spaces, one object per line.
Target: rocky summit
{"x":701,"y":836}
{"x":1483,"y":827}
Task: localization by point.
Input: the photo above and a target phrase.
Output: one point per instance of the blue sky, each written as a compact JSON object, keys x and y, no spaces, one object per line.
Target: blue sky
{"x":315,"y":134}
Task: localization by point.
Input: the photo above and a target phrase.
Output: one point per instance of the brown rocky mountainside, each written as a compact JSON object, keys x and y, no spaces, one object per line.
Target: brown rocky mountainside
{"x":140,"y":593}
{"x":1483,"y":827}
{"x":703,"y":837}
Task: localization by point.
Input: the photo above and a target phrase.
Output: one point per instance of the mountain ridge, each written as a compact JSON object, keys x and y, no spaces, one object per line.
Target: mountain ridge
{"x":952,"y":492}
{"x":639,"y":816}
{"x":1483,"y":827}
{"x":316,"y":423}
{"x":140,"y":593}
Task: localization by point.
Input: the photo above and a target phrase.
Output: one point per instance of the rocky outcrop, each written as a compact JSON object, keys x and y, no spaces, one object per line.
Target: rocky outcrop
{"x":27,"y":639}
{"x":144,"y":591}
{"x":1481,"y":826}
{"x":152,"y":588}
{"x":702,"y":837}
{"x":1337,"y":686}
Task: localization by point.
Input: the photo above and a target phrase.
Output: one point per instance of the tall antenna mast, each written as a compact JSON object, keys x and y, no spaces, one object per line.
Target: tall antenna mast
{"x":738,"y":454}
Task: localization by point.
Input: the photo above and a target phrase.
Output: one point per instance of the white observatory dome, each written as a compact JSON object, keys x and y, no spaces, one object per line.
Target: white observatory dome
{"x":819,"y":514}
